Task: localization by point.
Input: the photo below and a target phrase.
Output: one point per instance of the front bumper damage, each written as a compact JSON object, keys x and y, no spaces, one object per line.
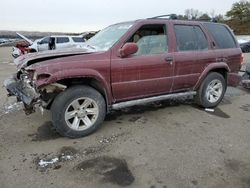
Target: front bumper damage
{"x":24,"y":91}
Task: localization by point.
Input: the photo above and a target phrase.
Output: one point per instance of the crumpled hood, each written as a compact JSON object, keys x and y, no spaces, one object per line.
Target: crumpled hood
{"x":31,"y":58}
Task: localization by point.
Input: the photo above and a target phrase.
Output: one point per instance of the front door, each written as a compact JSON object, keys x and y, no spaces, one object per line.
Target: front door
{"x":43,"y":44}
{"x":149,"y":71}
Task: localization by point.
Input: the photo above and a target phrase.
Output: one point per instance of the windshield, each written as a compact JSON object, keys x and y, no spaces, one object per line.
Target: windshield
{"x":107,"y":37}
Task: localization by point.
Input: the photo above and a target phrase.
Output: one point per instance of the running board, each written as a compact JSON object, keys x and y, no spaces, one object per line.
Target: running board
{"x":151,"y":99}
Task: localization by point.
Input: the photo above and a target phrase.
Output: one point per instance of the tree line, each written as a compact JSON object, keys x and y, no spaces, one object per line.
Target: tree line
{"x":238,"y":18}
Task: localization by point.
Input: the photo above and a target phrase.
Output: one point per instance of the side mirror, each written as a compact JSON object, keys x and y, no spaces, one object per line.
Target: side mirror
{"x":128,"y":49}
{"x":39,"y":42}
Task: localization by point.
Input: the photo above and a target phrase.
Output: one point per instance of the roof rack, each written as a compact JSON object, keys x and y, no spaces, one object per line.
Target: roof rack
{"x":168,"y":16}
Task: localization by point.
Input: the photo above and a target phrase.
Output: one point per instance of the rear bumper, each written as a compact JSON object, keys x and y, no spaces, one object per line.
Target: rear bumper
{"x":233,"y":79}
{"x":22,"y":90}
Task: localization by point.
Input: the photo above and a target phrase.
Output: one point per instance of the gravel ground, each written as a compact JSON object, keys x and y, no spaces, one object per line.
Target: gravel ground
{"x":172,"y":144}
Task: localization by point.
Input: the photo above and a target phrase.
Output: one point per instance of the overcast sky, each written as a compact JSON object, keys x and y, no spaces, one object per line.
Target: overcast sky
{"x":83,"y":15}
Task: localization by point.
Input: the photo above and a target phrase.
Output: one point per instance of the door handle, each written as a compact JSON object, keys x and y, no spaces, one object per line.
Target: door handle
{"x":169,"y":60}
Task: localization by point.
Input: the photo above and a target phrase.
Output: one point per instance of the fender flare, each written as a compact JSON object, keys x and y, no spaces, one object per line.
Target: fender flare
{"x":210,"y":68}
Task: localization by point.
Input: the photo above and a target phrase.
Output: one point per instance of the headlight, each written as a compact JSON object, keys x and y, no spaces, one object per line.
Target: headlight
{"x":42,"y":76}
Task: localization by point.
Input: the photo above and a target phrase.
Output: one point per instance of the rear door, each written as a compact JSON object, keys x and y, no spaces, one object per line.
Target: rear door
{"x":225,"y":45}
{"x":192,"y":53}
{"x":62,"y":42}
{"x":149,"y":71}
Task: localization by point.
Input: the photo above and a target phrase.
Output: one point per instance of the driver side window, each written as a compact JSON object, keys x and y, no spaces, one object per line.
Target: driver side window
{"x":151,"y":39}
{"x":45,"y":41}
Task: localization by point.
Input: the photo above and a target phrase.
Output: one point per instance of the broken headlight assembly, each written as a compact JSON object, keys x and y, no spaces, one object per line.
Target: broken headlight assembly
{"x":39,"y":77}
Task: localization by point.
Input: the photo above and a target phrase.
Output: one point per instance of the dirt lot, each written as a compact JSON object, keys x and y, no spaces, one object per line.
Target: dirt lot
{"x":172,"y":144}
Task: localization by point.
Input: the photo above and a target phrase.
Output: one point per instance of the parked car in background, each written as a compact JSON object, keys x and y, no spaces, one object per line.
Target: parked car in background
{"x":2,"y":40}
{"x":246,"y":78}
{"x":50,"y":43}
{"x":129,"y":64}
{"x":57,"y":42}
{"x":245,"y":46}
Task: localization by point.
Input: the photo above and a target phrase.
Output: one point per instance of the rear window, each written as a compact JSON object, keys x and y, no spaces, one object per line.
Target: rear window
{"x":222,"y":36}
{"x":78,"y":39}
{"x":190,"y":38}
{"x":62,"y":39}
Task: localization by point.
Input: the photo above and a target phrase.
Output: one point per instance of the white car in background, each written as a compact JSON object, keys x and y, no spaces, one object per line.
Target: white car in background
{"x":48,"y":43}
{"x":57,"y":42}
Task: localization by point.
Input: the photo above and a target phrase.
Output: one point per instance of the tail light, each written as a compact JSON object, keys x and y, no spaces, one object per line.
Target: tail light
{"x":241,"y":59}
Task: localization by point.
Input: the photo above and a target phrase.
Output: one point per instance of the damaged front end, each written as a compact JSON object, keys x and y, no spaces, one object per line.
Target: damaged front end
{"x":35,"y":83}
{"x":19,"y":85}
{"x":22,"y":86}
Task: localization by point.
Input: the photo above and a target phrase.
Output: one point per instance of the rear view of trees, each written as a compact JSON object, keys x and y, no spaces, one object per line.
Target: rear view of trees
{"x":239,"y":17}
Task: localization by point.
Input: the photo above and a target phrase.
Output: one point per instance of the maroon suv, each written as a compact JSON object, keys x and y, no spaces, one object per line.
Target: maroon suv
{"x":128,"y":64}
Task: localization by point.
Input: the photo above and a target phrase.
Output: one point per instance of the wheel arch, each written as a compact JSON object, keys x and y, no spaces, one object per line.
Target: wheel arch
{"x":88,"y":81}
{"x":221,"y":68}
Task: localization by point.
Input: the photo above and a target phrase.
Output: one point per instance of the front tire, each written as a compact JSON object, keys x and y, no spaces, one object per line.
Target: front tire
{"x":78,"y":111}
{"x":211,"y":91}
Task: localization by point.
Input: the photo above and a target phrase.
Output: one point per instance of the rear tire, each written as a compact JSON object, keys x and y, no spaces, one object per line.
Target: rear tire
{"x":211,"y":91}
{"x":78,"y":111}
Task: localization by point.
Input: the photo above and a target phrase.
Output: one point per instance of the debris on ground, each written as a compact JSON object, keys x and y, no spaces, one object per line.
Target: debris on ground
{"x":11,"y":107}
{"x":8,"y":108}
{"x":209,"y":109}
{"x":45,"y":162}
{"x":110,"y":139}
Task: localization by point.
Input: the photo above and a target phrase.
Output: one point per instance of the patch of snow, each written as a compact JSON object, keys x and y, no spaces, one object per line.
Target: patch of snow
{"x":13,"y":107}
{"x":43,"y":163}
{"x":67,"y":157}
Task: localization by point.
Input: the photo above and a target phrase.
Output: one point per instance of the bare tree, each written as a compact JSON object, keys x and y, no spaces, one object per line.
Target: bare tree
{"x":212,"y":13}
{"x":188,"y":14}
{"x":192,"y":14}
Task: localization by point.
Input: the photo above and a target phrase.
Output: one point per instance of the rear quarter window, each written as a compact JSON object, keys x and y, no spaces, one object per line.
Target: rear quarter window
{"x":62,"y":40}
{"x":78,"y":39}
{"x":190,"y":38}
{"x":222,"y":36}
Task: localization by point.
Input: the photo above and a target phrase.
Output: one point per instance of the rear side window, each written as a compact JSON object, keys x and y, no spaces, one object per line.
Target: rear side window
{"x":222,"y":36}
{"x":78,"y":39}
{"x":190,"y":38}
{"x":62,"y":39}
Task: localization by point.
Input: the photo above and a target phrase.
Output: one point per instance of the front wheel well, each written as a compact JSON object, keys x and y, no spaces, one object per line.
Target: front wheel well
{"x":92,"y":82}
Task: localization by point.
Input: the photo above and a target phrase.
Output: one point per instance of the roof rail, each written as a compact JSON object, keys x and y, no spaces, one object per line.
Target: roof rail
{"x":169,"y":16}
